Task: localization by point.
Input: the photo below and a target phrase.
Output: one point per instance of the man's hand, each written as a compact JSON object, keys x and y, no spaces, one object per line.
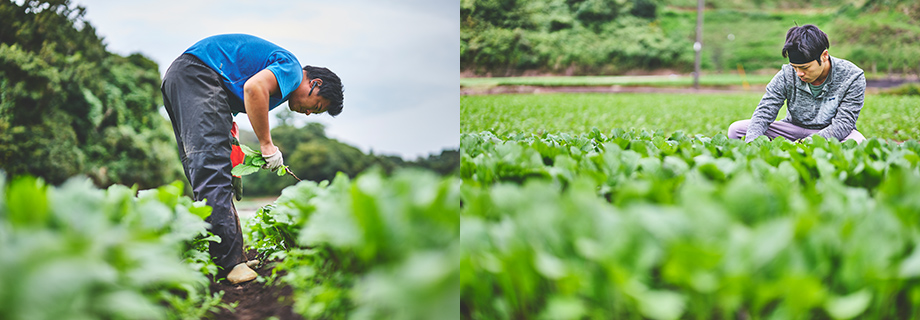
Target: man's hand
{"x":273,"y":161}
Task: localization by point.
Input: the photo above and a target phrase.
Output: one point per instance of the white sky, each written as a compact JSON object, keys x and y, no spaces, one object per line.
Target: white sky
{"x":399,"y":60}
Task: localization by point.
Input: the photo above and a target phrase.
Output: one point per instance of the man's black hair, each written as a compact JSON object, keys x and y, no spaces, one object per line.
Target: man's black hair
{"x":807,"y":41}
{"x":331,"y":88}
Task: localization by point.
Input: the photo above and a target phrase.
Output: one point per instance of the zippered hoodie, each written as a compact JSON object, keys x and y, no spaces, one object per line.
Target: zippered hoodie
{"x":834,"y":111}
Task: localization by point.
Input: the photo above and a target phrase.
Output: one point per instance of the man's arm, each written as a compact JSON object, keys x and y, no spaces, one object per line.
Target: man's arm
{"x":847,"y":112}
{"x":768,"y":107}
{"x":256,"y":92}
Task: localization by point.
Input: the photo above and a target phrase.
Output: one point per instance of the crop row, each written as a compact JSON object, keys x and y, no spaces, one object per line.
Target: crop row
{"x":637,"y":224}
{"x":78,"y":252}
{"x":378,"y":246}
{"x":372,"y":248}
{"x":883,"y":116}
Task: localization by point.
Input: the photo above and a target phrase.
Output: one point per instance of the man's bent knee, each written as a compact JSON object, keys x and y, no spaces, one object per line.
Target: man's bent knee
{"x":738,"y":129}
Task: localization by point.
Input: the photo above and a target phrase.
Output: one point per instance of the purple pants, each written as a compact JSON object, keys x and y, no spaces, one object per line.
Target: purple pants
{"x":784,"y":129}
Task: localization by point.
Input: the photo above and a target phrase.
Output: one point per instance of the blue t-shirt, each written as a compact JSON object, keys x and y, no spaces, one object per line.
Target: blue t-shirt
{"x":238,"y":57}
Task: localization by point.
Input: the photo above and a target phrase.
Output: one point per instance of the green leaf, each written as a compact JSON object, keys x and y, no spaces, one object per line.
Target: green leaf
{"x":200,"y":209}
{"x":848,"y":307}
{"x":27,"y":198}
{"x":661,"y":305}
{"x":910,"y":267}
{"x":212,"y":237}
{"x":248,"y":151}
{"x":258,"y":161}
{"x":549,"y":266}
{"x":244,"y":169}
{"x":281,"y":171}
{"x":562,"y":307}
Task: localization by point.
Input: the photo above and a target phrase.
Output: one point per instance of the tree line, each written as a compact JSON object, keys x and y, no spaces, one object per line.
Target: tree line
{"x":609,"y":37}
{"x":311,"y":155}
{"x":69,"y":106}
{"x":505,"y":37}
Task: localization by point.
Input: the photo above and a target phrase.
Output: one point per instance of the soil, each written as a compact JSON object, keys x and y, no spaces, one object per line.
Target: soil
{"x":601,"y":89}
{"x":256,"y":300}
{"x":886,"y":83}
{"x":872,"y":86}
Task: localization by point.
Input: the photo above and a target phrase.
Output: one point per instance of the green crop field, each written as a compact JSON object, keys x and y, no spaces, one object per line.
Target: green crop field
{"x":886,"y":117}
{"x":637,"y":206}
{"x":714,"y":80}
{"x":376,"y":247}
{"x":77,"y":252}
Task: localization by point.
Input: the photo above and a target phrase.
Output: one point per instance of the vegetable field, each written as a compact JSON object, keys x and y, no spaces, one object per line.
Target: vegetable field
{"x":713,"y":80}
{"x":378,"y":246}
{"x":885,"y":117}
{"x":372,"y":248}
{"x":77,"y":252}
{"x":560,"y":220}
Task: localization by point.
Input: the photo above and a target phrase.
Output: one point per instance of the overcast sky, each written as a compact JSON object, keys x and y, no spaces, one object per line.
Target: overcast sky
{"x":399,"y":60}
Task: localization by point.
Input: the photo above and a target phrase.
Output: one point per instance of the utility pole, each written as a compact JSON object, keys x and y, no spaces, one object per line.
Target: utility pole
{"x":698,"y":45}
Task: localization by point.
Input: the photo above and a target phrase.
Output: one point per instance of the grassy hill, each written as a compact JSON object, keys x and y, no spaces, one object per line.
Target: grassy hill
{"x":539,"y":38}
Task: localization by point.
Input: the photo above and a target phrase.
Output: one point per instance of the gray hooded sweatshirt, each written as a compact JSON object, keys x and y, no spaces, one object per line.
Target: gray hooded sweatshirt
{"x":834,"y":111}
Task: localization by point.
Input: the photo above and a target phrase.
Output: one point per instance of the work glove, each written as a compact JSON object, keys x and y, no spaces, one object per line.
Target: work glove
{"x":273,"y":161}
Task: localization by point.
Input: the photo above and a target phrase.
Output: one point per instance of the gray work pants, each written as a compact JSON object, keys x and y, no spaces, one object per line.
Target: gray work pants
{"x":791,"y":132}
{"x":199,"y":108}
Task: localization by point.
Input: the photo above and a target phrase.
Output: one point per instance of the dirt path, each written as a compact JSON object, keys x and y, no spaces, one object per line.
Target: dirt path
{"x":598,"y":89}
{"x":256,"y":300}
{"x":872,"y":86}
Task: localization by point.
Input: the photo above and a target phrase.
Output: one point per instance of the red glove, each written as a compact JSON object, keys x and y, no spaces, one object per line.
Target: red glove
{"x":236,"y":154}
{"x":236,"y":157}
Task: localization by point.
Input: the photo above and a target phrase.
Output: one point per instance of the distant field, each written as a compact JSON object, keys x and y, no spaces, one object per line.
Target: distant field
{"x":657,"y":81}
{"x":887,"y":117}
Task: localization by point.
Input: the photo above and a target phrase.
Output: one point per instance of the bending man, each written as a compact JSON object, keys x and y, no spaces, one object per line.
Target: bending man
{"x":210,"y":82}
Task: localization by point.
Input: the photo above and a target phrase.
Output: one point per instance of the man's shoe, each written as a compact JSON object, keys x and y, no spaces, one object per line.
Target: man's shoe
{"x":241,"y":273}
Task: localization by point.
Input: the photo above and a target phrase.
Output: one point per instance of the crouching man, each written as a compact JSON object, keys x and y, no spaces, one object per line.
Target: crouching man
{"x":823,"y":94}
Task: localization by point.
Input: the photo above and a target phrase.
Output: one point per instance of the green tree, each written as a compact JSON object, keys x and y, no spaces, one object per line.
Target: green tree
{"x":570,"y":36}
{"x":69,"y":107}
{"x":311,"y":155}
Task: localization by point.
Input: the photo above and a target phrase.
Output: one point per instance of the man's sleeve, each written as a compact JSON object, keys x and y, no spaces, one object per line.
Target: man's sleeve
{"x":287,"y":71}
{"x":848,"y":110}
{"x":768,"y":107}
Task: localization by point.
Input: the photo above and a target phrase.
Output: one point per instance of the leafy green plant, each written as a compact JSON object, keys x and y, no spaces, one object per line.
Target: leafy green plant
{"x":79,"y":252}
{"x":907,"y":89}
{"x":374,"y":247}
{"x":882,"y":116}
{"x":253,"y":161}
{"x":640,"y":224}
{"x":197,"y":305}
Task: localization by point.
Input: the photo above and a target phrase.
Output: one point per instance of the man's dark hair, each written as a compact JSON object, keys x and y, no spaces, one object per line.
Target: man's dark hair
{"x":331,"y":88}
{"x":807,"y":41}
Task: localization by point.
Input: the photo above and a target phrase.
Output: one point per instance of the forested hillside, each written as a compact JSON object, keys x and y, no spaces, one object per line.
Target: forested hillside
{"x":609,"y":37}
{"x":70,"y":107}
